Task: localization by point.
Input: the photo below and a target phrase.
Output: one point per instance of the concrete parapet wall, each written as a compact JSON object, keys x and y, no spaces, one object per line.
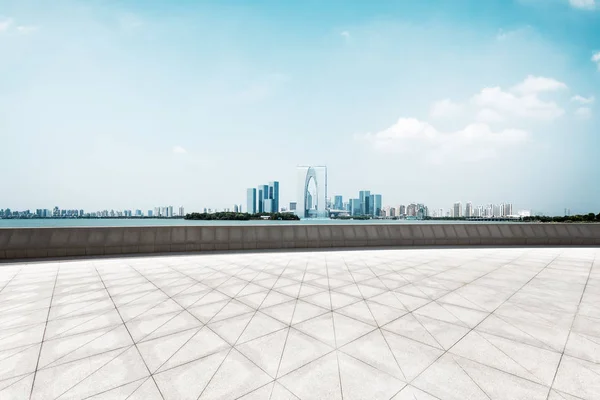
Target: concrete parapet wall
{"x":18,"y":243}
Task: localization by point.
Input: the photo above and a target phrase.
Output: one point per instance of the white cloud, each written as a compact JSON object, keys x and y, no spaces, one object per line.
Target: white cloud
{"x":345,"y":35}
{"x":583,"y":112}
{"x":583,"y":100}
{"x":596,"y":59}
{"x":538,"y":84}
{"x":446,"y":109}
{"x":474,"y":142}
{"x":508,"y":104}
{"x":179,"y":150}
{"x":583,"y":4}
{"x":488,"y":115}
{"x":26,"y":29}
{"x":5,"y":23}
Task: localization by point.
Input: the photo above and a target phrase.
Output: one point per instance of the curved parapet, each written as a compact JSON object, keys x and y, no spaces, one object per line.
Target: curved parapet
{"x":16,"y":243}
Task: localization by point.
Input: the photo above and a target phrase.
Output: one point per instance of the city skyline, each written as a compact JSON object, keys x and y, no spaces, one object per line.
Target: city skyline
{"x":379,"y":91}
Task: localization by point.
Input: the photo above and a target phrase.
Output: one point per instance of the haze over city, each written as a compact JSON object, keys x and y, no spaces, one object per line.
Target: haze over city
{"x":141,"y":103}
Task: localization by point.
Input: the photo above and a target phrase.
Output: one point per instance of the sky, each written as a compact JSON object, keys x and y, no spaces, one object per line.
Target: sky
{"x":136,"y":104}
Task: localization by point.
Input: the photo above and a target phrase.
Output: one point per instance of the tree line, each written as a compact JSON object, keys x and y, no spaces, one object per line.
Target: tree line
{"x":237,"y":216}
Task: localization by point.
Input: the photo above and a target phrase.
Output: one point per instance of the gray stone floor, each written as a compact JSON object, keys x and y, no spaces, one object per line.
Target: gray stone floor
{"x":385,"y":324}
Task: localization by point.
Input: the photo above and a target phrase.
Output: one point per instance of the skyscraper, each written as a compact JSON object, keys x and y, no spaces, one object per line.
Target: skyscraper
{"x":376,"y":207}
{"x":458,"y":212}
{"x":355,"y":207}
{"x":338,"y":202}
{"x":268,"y":205}
{"x":274,"y":195}
{"x":469,"y":210}
{"x":251,"y":201}
{"x":293,"y":205}
{"x":365,"y":199}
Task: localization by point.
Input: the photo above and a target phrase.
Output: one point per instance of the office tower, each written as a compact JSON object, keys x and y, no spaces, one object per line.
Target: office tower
{"x":181,"y":211}
{"x":259,"y":200}
{"x":235,"y":208}
{"x":401,"y":210}
{"x":469,"y":210}
{"x":496,"y":210}
{"x":309,"y":201}
{"x":293,"y":205}
{"x":411,"y":210}
{"x":392,"y":211}
{"x":268,"y":205}
{"x":150,"y":213}
{"x":251,"y":201}
{"x":376,"y":205}
{"x":458,"y":212}
{"x":338,"y":202}
{"x":355,"y":207}
{"x":365,"y":199}
{"x":274,"y":195}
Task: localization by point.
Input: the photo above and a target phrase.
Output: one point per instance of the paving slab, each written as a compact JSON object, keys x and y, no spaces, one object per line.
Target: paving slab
{"x":483,"y":323}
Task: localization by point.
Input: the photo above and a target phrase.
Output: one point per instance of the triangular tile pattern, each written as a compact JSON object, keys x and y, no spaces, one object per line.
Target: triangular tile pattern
{"x":409,"y":324}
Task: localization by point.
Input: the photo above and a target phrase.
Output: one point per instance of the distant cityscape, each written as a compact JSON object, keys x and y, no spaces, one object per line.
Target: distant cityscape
{"x":311,"y":202}
{"x":56,"y":212}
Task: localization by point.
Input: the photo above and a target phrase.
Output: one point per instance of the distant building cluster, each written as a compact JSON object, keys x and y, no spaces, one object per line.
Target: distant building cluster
{"x":502,"y":210}
{"x":263,"y":199}
{"x":410,"y":211}
{"x":56,"y":212}
{"x":366,"y":204}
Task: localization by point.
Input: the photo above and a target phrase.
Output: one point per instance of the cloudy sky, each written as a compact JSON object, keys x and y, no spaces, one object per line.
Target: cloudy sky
{"x":132,"y":104}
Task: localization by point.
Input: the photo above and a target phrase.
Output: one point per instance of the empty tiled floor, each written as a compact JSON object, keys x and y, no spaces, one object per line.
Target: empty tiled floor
{"x":506,"y":323}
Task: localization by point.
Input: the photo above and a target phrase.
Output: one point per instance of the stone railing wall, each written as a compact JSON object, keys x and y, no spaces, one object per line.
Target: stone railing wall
{"x":17,"y":243}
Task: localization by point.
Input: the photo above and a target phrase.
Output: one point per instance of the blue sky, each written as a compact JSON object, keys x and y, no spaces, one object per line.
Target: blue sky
{"x":134,"y":104}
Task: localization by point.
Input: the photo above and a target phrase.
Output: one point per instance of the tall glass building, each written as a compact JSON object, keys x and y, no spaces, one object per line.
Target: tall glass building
{"x":365,"y":200}
{"x":274,"y":195}
{"x":251,"y":201}
{"x":376,"y":208}
{"x":338,"y":203}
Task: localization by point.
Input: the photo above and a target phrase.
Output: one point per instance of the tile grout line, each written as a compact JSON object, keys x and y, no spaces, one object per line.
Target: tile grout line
{"x":127,"y":329}
{"x":480,"y":322}
{"x":571,"y":328}
{"x":287,"y":336}
{"x":44,"y":334}
{"x":334,"y":331}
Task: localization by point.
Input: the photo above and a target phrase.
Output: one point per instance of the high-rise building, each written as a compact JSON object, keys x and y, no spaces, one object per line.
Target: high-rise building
{"x":293,"y":205}
{"x":496,"y":210}
{"x":469,"y":210}
{"x":365,"y":199}
{"x":268,"y":205}
{"x":262,"y":194}
{"x":181,"y":211}
{"x":338,"y":202}
{"x":376,"y":205}
{"x":355,"y":207}
{"x":392,"y":212}
{"x":401,"y":210}
{"x":411,"y":210}
{"x":309,"y":201}
{"x":458,"y":212}
{"x":506,"y":209}
{"x":274,"y":195}
{"x":315,"y":176}
{"x":251,"y":201}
